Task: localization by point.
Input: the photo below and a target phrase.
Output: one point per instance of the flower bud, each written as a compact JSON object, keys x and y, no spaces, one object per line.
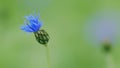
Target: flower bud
{"x":42,"y":36}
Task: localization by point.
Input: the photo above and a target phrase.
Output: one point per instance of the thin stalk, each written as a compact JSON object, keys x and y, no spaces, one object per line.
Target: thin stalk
{"x":109,"y":61}
{"x":48,"y":56}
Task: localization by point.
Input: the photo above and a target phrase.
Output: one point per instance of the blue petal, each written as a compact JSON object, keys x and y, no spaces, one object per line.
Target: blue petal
{"x":40,"y":25}
{"x":33,"y":25}
{"x":32,"y":18}
{"x":26,"y":29}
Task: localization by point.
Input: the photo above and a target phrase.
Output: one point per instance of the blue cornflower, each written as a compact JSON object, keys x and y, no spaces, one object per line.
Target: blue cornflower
{"x":34,"y":24}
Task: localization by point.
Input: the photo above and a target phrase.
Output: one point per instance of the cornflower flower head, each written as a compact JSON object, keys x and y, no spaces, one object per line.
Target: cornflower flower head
{"x":33,"y":25}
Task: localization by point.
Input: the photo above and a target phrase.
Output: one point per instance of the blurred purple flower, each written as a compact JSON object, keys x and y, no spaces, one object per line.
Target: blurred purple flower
{"x":105,"y":29}
{"x":103,"y":26}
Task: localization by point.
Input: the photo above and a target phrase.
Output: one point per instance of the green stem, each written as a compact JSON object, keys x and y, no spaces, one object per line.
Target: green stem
{"x":109,"y":61}
{"x":48,"y":56}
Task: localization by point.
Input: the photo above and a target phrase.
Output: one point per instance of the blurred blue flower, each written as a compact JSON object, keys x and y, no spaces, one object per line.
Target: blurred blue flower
{"x":103,"y":27}
{"x":32,"y":24}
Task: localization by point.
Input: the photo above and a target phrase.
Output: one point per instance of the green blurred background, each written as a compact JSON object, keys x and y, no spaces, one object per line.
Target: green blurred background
{"x":65,"y":21}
